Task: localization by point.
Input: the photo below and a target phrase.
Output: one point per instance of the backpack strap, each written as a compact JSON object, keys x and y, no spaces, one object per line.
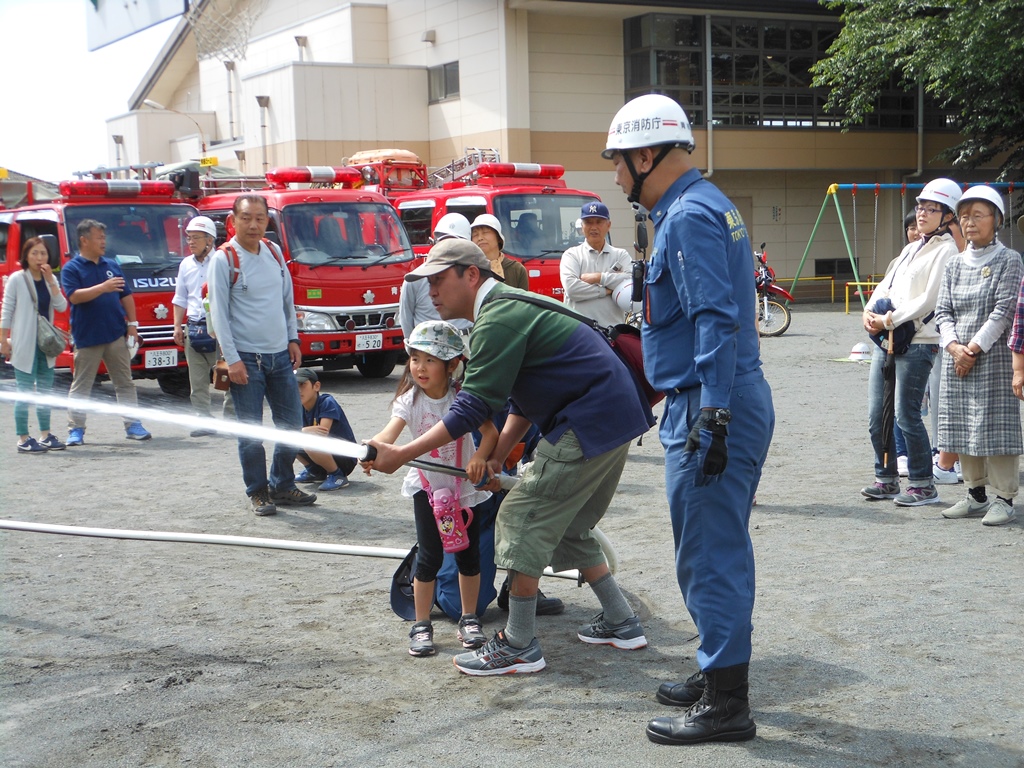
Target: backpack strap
{"x":235,"y":265}
{"x":554,"y":306}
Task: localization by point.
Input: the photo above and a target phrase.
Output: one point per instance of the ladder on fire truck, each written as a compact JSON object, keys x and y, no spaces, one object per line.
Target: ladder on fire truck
{"x":464,"y":166}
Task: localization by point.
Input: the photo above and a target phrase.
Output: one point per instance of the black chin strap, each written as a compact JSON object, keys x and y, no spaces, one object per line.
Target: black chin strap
{"x":640,"y":178}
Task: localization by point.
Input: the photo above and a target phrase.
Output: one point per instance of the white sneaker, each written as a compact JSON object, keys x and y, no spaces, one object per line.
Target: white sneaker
{"x":903,"y":466}
{"x":944,"y":476}
{"x":999,"y":513}
{"x":966,"y":507}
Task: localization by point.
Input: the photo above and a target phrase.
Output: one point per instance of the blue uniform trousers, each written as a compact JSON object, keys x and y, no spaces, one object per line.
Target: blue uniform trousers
{"x":714,"y":555}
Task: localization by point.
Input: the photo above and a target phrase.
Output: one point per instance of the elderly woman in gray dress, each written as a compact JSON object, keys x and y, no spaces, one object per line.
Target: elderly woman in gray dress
{"x":979,"y":417}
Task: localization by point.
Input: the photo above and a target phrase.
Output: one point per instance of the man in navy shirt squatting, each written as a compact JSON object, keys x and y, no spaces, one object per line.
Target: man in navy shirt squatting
{"x":700,"y":346}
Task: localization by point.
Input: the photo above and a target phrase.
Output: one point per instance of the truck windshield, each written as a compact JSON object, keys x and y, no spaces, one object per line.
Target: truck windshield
{"x":143,"y":239}
{"x":344,"y":234}
{"x":538,"y":226}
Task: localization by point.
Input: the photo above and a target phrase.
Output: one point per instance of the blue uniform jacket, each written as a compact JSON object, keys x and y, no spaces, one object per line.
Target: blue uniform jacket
{"x":700,"y":326}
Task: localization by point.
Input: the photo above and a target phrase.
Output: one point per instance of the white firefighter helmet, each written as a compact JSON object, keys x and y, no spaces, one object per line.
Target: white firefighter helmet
{"x":648,"y":121}
{"x":452,"y":225}
{"x":202,"y":224}
{"x":861,"y":351}
{"x":943,"y":191}
{"x":490,"y":220}
{"x":437,"y":338}
{"x":623,"y":296}
{"x":986,"y":193}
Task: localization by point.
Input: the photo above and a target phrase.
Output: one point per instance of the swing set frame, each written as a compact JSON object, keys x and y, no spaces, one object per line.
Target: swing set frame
{"x":832,"y":193}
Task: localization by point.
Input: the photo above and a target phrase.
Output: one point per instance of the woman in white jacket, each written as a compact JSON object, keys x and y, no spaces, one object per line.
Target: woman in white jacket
{"x":907,"y":294}
{"x":32,"y":292}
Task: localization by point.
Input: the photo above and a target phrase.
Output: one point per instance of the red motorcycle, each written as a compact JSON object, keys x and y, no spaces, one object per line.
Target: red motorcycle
{"x":773,"y":316}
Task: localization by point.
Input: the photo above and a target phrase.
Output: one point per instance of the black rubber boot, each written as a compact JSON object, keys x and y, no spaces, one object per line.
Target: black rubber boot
{"x":722,"y":714}
{"x":684,"y":694}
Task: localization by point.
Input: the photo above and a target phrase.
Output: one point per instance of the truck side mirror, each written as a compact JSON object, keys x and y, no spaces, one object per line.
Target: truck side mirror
{"x":52,"y":250}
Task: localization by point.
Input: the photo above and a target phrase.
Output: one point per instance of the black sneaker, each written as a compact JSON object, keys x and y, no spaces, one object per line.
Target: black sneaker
{"x":421,"y":639}
{"x":546,"y":606}
{"x":292,"y":496}
{"x":261,"y":503}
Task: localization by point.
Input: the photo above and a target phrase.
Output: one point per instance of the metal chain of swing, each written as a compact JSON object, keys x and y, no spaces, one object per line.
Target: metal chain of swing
{"x":874,"y":256}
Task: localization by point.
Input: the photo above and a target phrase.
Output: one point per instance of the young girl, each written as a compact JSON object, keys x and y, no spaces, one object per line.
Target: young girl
{"x":424,"y":396}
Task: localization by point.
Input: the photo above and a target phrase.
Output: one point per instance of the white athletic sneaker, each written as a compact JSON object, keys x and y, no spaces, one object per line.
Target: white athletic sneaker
{"x":999,"y":513}
{"x":966,"y":507}
{"x":944,"y":476}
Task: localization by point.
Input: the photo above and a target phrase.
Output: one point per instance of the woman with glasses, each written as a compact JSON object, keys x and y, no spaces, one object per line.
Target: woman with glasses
{"x":979,"y":416}
{"x":905,"y":299}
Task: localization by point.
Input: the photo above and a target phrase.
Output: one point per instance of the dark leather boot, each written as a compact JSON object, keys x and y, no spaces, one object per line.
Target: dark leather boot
{"x":684,"y":694}
{"x":722,"y":714}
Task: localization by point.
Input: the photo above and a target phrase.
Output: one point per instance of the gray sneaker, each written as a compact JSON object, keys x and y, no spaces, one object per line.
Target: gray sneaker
{"x":261,"y":503}
{"x":421,"y":639}
{"x":627,"y":636}
{"x":497,"y":657}
{"x":916,"y":497}
{"x":881,"y":491}
{"x":471,"y":634}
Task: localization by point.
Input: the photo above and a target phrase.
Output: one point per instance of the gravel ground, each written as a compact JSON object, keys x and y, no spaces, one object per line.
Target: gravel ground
{"x":883,"y":636}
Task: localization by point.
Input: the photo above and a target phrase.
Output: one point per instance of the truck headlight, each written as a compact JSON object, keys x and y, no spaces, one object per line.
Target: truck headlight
{"x":315,"y":321}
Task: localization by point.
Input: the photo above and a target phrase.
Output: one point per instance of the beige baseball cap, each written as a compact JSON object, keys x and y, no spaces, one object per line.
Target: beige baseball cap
{"x":450,"y":253}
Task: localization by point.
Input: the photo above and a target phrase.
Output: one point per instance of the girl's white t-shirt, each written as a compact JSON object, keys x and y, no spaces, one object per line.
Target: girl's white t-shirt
{"x":420,"y":413}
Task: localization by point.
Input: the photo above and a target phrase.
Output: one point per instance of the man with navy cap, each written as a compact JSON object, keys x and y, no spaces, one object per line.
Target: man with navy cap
{"x":593,"y":270}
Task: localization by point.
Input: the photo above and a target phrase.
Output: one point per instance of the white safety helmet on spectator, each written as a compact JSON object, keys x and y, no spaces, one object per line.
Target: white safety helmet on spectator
{"x":649,"y":121}
{"x":452,"y":225}
{"x":489,"y":220}
{"x":623,"y":296}
{"x":943,"y":191}
{"x":986,"y":193}
{"x":437,"y":338}
{"x":202,"y":224}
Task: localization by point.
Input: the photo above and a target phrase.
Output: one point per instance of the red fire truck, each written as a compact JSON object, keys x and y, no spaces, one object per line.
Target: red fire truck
{"x":347,"y":253}
{"x":537,"y":211}
{"x":145,"y":235}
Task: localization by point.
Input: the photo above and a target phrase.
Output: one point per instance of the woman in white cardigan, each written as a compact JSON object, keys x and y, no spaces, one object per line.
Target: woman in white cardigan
{"x":28,"y":294}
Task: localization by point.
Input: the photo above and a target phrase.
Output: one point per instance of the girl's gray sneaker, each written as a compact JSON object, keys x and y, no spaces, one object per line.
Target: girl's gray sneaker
{"x":421,"y":639}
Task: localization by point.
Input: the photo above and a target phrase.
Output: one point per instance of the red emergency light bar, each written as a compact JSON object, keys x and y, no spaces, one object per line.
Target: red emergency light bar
{"x":116,"y":188}
{"x":522,"y":170}
{"x":313,"y":174}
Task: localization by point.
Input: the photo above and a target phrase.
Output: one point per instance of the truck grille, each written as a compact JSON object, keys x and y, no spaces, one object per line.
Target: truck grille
{"x":157,"y":334}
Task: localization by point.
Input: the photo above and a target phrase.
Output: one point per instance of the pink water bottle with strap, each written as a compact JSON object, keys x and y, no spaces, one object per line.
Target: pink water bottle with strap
{"x":452,"y":520}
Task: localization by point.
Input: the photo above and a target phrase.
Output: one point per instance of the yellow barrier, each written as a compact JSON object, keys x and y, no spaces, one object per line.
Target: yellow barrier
{"x":808,"y":279}
{"x":869,"y":284}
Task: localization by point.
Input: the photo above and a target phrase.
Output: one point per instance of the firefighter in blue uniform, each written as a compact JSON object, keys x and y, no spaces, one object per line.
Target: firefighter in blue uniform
{"x":700,"y":346}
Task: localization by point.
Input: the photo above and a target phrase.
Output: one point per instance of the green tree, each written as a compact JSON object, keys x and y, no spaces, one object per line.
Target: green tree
{"x":968,"y":55}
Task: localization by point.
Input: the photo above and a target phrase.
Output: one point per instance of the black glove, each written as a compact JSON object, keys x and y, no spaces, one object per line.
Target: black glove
{"x":707,"y":441}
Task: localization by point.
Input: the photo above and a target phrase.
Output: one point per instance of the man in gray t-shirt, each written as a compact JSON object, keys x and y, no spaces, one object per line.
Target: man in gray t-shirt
{"x":254,"y":319}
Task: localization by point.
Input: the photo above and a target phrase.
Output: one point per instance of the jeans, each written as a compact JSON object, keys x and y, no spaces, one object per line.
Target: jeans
{"x":913,"y":369}
{"x":40,"y":380}
{"x":270,"y":377}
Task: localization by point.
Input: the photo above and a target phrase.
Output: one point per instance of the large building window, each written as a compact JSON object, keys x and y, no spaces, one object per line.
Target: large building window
{"x":760,"y":72}
{"x":443,"y":82}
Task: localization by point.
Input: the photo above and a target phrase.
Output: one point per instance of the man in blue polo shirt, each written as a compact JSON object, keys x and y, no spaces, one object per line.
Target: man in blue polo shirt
{"x":102,"y":324}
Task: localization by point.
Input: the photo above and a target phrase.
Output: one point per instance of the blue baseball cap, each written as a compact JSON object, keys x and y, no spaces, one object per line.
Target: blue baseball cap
{"x":595,"y":210}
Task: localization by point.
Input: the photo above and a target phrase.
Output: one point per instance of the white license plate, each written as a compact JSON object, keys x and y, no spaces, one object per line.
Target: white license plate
{"x":369,"y":341}
{"x":161,"y":358}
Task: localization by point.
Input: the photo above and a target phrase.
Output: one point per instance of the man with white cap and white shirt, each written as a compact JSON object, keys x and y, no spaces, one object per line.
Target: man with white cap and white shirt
{"x":593,"y":270}
{"x":193,"y":335}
